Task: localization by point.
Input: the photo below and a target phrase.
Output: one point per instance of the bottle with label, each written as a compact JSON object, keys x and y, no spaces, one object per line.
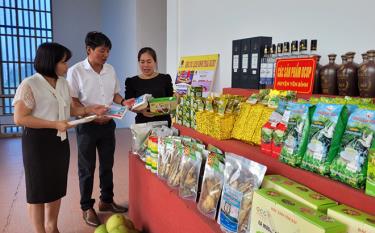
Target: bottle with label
{"x":286,"y":49}
{"x":271,"y":65}
{"x":294,"y":49}
{"x":303,"y":48}
{"x":366,"y":79}
{"x":264,"y":66}
{"x":280,"y":49}
{"x":328,"y":78}
{"x":314,"y":47}
{"x":317,"y":84}
{"x":347,"y":77}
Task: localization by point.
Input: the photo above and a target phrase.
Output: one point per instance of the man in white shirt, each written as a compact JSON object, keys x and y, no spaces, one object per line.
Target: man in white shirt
{"x":93,"y":81}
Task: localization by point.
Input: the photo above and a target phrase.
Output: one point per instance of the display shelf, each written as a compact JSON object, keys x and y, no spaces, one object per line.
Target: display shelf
{"x":155,"y":207}
{"x":330,"y":188}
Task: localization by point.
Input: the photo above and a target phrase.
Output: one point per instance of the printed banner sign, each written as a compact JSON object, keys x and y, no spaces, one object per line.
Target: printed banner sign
{"x":196,"y":71}
{"x":295,"y":74}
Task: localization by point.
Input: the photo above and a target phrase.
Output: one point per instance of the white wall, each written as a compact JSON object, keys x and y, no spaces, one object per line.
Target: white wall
{"x":119,"y":24}
{"x":71,"y":22}
{"x":130,"y":24}
{"x":209,"y":26}
{"x":152,"y":27}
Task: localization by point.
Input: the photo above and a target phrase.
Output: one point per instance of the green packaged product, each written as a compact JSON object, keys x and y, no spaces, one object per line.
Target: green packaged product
{"x":274,"y":212}
{"x":296,"y":135}
{"x":298,"y":192}
{"x":355,"y":220}
{"x":370,"y":181}
{"x":350,"y":164}
{"x":327,"y":127}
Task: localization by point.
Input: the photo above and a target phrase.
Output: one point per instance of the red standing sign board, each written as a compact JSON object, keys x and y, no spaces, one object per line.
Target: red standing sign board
{"x":295,"y":74}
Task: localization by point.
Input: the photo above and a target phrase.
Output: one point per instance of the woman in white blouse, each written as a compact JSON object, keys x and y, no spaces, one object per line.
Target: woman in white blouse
{"x":43,"y":105}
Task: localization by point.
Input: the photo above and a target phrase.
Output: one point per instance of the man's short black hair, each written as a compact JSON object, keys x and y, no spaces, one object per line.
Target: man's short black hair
{"x":47,"y":56}
{"x":95,"y":39}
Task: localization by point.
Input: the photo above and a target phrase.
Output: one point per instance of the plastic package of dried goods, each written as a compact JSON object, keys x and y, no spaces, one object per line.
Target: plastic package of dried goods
{"x":141,"y":102}
{"x":140,"y":133}
{"x":327,"y":127}
{"x":190,"y":169}
{"x":350,"y":164}
{"x":173,"y":170}
{"x":296,"y":134}
{"x":166,"y":151}
{"x":212,"y":186}
{"x":241,"y":178}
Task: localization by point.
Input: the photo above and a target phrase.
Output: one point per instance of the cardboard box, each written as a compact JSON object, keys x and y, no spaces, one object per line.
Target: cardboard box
{"x":274,"y":212}
{"x":163,"y":106}
{"x":355,"y":220}
{"x":298,"y":192}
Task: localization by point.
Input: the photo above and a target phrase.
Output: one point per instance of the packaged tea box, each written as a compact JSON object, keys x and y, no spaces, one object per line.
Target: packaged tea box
{"x":141,"y":102}
{"x":296,"y":134}
{"x":278,"y":139}
{"x":298,"y":192}
{"x":266,"y":138}
{"x":163,"y":106}
{"x":355,"y":220}
{"x":327,"y":127}
{"x":350,"y":164}
{"x":241,"y":178}
{"x":370,"y":181}
{"x":273,"y":211}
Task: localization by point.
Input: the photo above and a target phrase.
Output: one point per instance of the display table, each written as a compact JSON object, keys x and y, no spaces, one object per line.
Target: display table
{"x":330,"y":188}
{"x":155,"y":207}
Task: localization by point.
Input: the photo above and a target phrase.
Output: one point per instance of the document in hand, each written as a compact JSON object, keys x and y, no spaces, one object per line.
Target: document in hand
{"x":116,"y":111}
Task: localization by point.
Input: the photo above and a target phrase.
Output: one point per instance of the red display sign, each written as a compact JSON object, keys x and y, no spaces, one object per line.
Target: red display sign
{"x":295,"y":74}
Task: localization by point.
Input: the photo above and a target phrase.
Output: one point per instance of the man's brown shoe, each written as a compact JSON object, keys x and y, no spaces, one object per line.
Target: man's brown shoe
{"x":112,"y":207}
{"x":91,"y":218}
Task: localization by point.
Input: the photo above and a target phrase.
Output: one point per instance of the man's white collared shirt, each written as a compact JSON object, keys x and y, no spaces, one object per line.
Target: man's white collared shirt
{"x":90,"y":87}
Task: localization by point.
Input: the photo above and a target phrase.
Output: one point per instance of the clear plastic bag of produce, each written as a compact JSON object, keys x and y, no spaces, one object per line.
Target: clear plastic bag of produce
{"x":173,"y":172}
{"x":241,"y":178}
{"x":212,"y":185}
{"x":140,"y":133}
{"x":190,"y":170}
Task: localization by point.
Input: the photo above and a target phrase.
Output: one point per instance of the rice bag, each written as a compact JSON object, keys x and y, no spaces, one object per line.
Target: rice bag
{"x":212,"y":186}
{"x":327,"y":127}
{"x":350,"y":164}
{"x":241,"y":178}
{"x":296,"y":134}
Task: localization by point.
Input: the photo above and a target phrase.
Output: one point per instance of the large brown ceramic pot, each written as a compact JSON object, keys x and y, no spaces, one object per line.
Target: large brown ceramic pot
{"x":317,"y":85}
{"x":366,"y":76}
{"x":328,"y":79}
{"x":347,"y":77}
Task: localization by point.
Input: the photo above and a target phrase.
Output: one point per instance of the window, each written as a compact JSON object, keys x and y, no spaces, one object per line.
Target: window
{"x":24,"y":25}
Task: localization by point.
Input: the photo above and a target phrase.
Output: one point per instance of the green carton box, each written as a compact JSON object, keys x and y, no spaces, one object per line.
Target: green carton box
{"x":298,"y":192}
{"x":355,"y":220}
{"x":273,"y":211}
{"x":163,"y":106}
